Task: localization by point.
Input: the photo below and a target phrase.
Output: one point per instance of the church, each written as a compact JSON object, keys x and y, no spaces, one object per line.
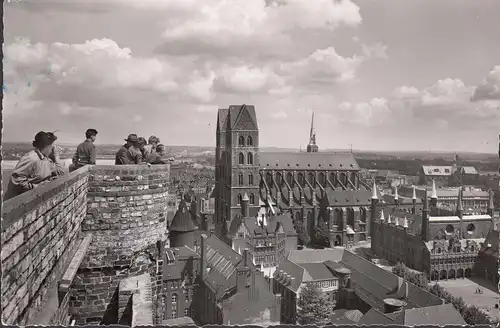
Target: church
{"x":295,"y":183}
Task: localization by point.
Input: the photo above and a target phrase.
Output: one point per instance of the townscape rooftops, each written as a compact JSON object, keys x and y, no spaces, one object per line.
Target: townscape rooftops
{"x":349,"y":197}
{"x":183,"y":220}
{"x":469,"y":170}
{"x":390,"y":199}
{"x":284,"y":220}
{"x":308,"y":161}
{"x":435,"y":170}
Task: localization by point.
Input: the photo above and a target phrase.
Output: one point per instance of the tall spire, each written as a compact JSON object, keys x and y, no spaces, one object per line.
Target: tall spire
{"x":396,"y":197}
{"x":491,"y":205}
{"x":460,"y":206}
{"x":414,"y":194}
{"x":434,"y":191}
{"x":312,"y":147}
{"x":374,"y":190}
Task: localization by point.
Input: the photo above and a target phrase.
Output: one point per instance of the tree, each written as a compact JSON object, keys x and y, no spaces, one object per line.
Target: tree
{"x":314,"y":306}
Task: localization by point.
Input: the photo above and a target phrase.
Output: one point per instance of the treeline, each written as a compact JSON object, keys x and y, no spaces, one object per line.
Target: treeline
{"x":471,"y":313}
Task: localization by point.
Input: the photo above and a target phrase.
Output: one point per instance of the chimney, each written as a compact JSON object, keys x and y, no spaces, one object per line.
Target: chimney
{"x":203,"y":266}
{"x":246,"y":257}
{"x":242,"y":273}
{"x":373,"y":205}
{"x":244,"y":206}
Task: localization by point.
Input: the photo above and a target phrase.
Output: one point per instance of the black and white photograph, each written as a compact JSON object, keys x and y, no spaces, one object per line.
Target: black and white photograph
{"x":250,"y":162}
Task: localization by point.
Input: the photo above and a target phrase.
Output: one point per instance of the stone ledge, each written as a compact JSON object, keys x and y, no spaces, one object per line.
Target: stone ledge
{"x":15,"y":208}
{"x":72,"y":269}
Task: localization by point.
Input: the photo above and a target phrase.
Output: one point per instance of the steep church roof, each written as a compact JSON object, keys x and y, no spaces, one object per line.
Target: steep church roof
{"x":183,"y":220}
{"x":308,"y":161}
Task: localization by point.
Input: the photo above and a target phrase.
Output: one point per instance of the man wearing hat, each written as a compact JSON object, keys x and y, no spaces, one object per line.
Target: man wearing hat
{"x":129,"y":153}
{"x":38,"y":166}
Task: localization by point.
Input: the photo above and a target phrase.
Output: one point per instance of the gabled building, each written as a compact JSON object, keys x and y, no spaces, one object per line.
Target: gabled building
{"x":232,"y":289}
{"x":441,"y":175}
{"x":268,"y":237}
{"x":292,"y":182}
{"x":184,"y":231}
{"x":441,"y":244}
{"x":353,"y":282}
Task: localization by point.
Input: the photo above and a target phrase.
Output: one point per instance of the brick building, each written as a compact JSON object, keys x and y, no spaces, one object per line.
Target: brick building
{"x":355,"y":284}
{"x":435,"y":242}
{"x":268,"y":237}
{"x":232,"y":290}
{"x":293,"y":182}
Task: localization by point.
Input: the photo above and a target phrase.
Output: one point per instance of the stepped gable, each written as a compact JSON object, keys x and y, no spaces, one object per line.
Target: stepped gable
{"x":183,"y":220}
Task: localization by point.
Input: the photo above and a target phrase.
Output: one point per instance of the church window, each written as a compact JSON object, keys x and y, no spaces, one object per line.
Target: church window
{"x":300,"y":178}
{"x":239,"y":199}
{"x":240,"y":179}
{"x":353,"y":178}
{"x":250,"y":159}
{"x":310,"y":178}
{"x":269,"y":179}
{"x":249,"y":141}
{"x":289,"y":179}
{"x":252,"y":199}
{"x":333,"y":179}
{"x":241,"y":141}
{"x":250,"y":179}
{"x":241,"y":158}
{"x":279,"y":179}
{"x":322,"y":179}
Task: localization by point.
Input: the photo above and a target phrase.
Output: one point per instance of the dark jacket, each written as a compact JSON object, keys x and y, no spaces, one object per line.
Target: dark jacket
{"x":127,"y":155}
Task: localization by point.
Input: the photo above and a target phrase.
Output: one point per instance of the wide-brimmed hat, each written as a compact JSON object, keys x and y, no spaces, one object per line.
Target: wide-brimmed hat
{"x":132,"y":137}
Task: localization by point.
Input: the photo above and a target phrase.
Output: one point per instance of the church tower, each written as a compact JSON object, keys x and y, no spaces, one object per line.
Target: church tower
{"x":238,"y":144}
{"x":312,"y":147}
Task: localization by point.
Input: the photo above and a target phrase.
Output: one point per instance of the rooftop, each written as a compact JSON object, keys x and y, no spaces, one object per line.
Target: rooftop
{"x":308,"y":161}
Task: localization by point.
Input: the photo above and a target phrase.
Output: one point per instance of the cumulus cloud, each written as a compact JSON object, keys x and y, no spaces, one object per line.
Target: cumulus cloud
{"x":489,"y":88}
{"x":377,"y":50}
{"x":443,"y":105}
{"x":245,"y":79}
{"x":95,"y":73}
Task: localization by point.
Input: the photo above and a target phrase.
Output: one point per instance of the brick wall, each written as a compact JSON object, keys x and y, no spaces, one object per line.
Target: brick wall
{"x":40,"y":233}
{"x":127,"y":216}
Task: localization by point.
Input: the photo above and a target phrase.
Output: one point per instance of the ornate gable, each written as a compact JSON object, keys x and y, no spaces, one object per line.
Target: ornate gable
{"x":244,"y":121}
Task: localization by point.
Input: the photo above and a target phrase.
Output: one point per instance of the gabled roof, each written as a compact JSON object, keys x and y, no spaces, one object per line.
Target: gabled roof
{"x":183,"y":220}
{"x":434,"y":170}
{"x":439,"y":315}
{"x":389,"y":199}
{"x":283,"y":220}
{"x":221,"y":118}
{"x":468,"y":170}
{"x":234,"y":113}
{"x":308,"y":161}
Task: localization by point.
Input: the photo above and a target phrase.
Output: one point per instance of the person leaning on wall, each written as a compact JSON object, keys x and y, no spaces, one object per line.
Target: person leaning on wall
{"x":130,"y":152}
{"x":85,"y":153}
{"x":37,"y":166}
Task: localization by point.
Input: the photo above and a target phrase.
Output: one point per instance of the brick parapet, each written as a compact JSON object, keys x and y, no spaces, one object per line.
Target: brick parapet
{"x":40,"y":229}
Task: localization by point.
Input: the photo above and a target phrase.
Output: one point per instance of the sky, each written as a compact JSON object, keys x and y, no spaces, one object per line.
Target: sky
{"x":379,"y":74}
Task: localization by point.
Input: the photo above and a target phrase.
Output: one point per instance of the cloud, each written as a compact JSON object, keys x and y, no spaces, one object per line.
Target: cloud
{"x":377,"y":50}
{"x":444,"y":105}
{"x":242,"y":28}
{"x":279,"y":115}
{"x":243,"y":79}
{"x":489,"y":88}
{"x":97,"y":73}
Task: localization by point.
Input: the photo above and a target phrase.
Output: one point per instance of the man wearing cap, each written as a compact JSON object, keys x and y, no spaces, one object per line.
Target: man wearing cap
{"x":85,"y":152}
{"x":129,"y":153}
{"x":39,"y":165}
{"x":153,"y":142}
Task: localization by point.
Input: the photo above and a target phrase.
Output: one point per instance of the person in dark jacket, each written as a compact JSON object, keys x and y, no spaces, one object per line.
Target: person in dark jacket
{"x":85,"y":152}
{"x":39,"y":165}
{"x":129,"y":153}
{"x":155,"y":157}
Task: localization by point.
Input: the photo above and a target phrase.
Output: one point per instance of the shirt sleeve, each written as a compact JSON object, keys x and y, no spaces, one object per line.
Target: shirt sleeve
{"x":57,"y":169}
{"x":75,"y":157}
{"x":120,"y":157}
{"x":22,"y":172}
{"x":92,"y":154}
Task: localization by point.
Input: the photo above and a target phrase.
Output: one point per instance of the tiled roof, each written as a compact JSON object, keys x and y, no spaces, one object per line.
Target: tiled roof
{"x":316,"y":255}
{"x":349,"y":197}
{"x":469,"y":170}
{"x":434,"y":170}
{"x":235,"y":111}
{"x":309,"y":161}
{"x":317,"y":271}
{"x":183,"y":220}
{"x":389,"y":199}
{"x":375,"y":317}
{"x":439,"y":315}
{"x":347,"y":317}
{"x":296,"y":271}
{"x":222,"y":262}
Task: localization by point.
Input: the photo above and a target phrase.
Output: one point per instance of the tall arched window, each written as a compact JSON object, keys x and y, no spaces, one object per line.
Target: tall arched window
{"x":241,"y":158}
{"x":241,"y":141}
{"x":174,"y":306}
{"x":250,"y":159}
{"x":252,"y":199}
{"x":250,"y":179}
{"x":322,"y":179}
{"x":279,"y":179}
{"x":289,"y":179}
{"x":240,"y":179}
{"x":269,"y":178}
{"x":239,"y":199}
{"x":353,"y":178}
{"x":300,"y":179}
{"x":249,"y":141}
{"x":310,"y":178}
{"x":333,"y":179}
